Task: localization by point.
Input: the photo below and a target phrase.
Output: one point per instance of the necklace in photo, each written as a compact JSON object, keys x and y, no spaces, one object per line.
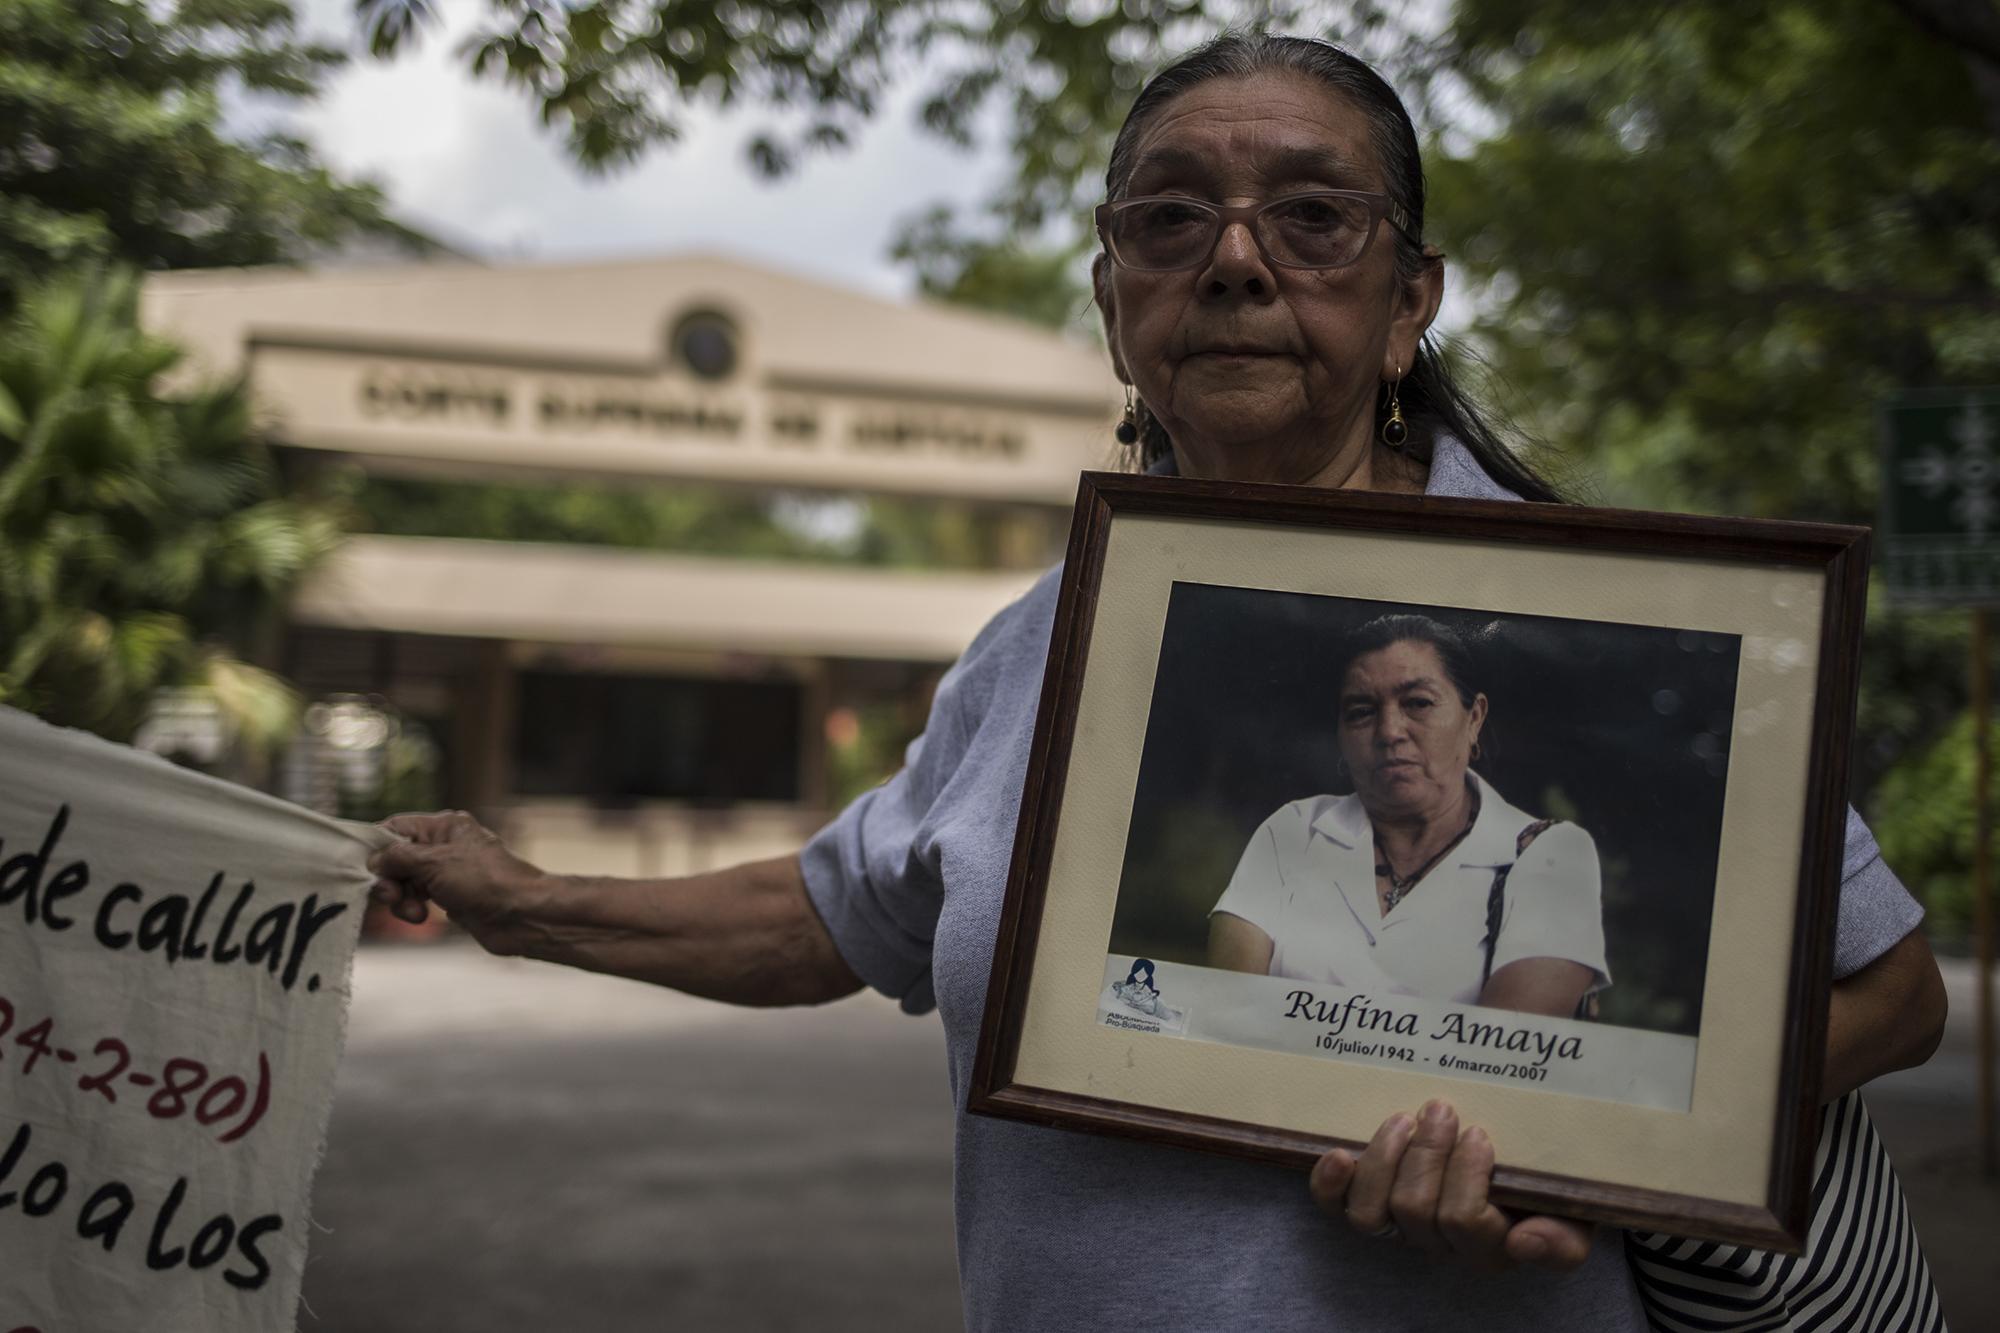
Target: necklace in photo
{"x":1400,"y":885}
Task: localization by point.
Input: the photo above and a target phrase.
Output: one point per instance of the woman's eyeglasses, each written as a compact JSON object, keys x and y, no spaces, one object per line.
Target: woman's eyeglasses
{"x":1321,"y":229}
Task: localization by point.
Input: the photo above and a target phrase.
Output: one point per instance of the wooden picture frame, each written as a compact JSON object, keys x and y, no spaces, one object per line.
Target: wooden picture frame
{"x":1714,"y":1139}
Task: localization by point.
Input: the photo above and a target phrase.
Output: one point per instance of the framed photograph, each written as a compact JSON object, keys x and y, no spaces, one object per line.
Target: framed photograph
{"x":1339,"y":802}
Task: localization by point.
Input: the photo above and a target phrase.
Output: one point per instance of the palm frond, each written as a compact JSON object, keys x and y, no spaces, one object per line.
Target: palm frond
{"x":137,"y":519}
{"x":146,"y":647}
{"x":13,"y":418}
{"x":262,"y":708}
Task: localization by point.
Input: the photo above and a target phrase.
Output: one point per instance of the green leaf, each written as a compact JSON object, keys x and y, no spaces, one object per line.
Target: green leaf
{"x":13,"y":420}
{"x":114,"y":147}
{"x":134,"y":518}
{"x":261,"y":707}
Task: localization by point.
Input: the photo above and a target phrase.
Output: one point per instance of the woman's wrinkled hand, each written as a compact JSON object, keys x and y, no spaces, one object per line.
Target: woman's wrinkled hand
{"x":453,"y":860}
{"x":1425,"y":1183}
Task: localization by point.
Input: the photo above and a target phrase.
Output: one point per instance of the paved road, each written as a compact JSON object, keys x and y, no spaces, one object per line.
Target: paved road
{"x":519,"y":1147}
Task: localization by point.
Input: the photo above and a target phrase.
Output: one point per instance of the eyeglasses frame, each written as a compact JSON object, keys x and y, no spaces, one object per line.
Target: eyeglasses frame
{"x":1380,"y":206}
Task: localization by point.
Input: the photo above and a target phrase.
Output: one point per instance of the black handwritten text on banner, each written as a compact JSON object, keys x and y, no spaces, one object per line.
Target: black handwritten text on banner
{"x":174,"y":963}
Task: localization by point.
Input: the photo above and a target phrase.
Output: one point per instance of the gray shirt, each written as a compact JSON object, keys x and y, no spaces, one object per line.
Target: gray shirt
{"x":1062,"y":1230}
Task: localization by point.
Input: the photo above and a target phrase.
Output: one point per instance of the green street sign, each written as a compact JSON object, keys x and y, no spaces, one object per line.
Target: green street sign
{"x":1941,"y":497}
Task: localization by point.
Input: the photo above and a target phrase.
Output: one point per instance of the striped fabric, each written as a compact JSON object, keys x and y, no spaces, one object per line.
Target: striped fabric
{"x":1863,"y":1270}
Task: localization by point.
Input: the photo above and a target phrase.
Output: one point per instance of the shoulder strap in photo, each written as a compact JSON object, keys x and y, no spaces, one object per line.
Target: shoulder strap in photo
{"x":1496,"y":897}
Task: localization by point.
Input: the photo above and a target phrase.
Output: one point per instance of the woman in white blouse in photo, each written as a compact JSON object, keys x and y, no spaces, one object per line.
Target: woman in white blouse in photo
{"x":1424,"y":881}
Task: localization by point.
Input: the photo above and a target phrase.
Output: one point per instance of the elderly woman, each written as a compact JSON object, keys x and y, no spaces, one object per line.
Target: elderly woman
{"x":1268,"y":305}
{"x":1424,"y":881}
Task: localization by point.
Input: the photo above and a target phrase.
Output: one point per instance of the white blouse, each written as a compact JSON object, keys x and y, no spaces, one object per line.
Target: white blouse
{"x":1307,"y":880}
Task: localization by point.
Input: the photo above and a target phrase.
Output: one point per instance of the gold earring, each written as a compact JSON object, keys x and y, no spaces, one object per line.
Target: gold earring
{"x":1128,"y":425}
{"x":1395,"y":430}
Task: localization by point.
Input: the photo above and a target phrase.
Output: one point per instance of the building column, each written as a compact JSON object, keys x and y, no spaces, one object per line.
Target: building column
{"x":816,"y":699}
{"x":482,"y":777}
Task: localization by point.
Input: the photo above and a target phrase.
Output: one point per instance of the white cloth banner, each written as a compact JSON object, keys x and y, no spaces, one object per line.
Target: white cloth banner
{"x":174,"y":962}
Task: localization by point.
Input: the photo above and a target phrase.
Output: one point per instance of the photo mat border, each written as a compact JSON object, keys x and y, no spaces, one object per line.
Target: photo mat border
{"x":1839,"y":557}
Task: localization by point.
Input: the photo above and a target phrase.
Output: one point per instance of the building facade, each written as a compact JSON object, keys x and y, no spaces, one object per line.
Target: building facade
{"x":762,"y":515}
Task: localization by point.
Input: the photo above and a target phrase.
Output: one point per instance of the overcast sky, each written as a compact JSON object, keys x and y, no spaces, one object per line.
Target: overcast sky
{"x":471,"y":160}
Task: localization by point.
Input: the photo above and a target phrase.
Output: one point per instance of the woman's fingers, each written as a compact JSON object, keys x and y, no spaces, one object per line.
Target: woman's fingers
{"x":1475,"y":1230}
{"x":438,"y":826}
{"x":1392,"y":1191}
{"x":404,"y":901}
{"x":1366,"y":1206}
{"x":1331,"y":1175}
{"x":403,"y":864}
{"x":1554,"y":1243}
{"x":402,"y":868}
{"x":411,"y":907}
{"x":1423,"y":1182}
{"x":1419,"y":1182}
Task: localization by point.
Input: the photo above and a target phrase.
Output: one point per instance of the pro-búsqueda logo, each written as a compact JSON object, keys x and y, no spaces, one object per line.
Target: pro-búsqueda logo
{"x":1136,"y":1002}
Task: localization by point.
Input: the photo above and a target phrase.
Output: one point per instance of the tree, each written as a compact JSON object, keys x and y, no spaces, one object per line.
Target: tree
{"x":616,"y":76}
{"x":1043,"y":285}
{"x":1705,"y":236}
{"x":1921,"y":817}
{"x":112,"y":147}
{"x":1707,"y":239}
{"x":142,"y":529}
{"x":1770,"y":189}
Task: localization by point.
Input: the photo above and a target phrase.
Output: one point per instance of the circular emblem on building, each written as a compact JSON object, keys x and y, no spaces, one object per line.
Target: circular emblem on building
{"x":705,"y":341}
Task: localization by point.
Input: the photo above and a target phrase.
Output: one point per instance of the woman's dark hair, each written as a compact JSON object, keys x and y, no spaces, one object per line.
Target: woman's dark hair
{"x":1453,"y":649}
{"x":1132,"y":977}
{"x":1433,"y":404}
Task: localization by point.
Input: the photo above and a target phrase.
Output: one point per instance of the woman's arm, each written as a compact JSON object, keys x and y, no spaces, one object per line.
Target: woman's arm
{"x":747,"y":935}
{"x":1552,"y":986}
{"x":1551,"y":948}
{"x":1888,"y":1016}
{"x":1237,"y":946}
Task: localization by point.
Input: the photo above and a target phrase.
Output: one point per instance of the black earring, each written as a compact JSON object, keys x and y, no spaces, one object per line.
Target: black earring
{"x":1128,"y":425}
{"x":1395,"y":430}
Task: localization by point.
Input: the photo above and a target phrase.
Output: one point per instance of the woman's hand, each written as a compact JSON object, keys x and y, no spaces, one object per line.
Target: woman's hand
{"x":1422,"y":1181}
{"x":453,"y":860}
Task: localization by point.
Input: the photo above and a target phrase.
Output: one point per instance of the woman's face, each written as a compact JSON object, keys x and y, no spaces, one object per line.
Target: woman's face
{"x":1404,"y":733}
{"x":1258,"y":372}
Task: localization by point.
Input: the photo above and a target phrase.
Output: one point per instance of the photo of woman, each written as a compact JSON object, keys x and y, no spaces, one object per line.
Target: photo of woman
{"x":1431,"y":803}
{"x":1424,"y":880}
